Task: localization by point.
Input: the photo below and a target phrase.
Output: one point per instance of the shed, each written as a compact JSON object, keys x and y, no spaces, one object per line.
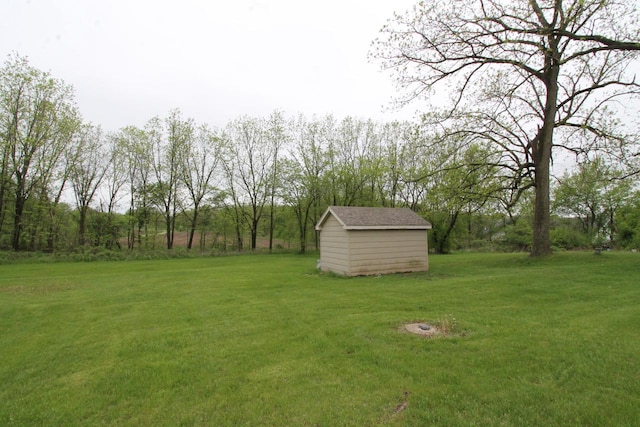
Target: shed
{"x":357,"y":241}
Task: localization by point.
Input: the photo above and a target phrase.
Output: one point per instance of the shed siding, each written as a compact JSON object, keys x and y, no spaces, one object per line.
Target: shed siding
{"x":387,"y":251}
{"x":334,"y":247}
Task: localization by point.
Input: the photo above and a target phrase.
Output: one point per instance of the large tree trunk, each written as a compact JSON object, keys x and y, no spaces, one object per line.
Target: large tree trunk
{"x":541,"y":216}
{"x":541,"y":150}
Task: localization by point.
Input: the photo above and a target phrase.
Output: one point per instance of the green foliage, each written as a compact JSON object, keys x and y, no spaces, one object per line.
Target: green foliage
{"x":517,"y":236}
{"x":628,"y":222}
{"x":569,"y":238}
{"x":38,"y":119}
{"x":459,"y":180}
{"x":592,"y":194}
{"x":105,"y":229}
{"x":266,"y":340}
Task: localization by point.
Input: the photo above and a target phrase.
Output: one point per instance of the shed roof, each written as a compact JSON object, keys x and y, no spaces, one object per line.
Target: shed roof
{"x":365,"y":218}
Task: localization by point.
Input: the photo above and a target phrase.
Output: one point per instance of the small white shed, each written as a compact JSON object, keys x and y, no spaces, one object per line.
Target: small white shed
{"x":356,"y":241}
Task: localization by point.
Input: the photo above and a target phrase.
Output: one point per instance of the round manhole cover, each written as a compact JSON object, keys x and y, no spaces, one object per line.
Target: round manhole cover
{"x":425,"y":329}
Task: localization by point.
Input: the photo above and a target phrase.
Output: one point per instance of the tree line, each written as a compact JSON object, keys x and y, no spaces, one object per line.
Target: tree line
{"x":65,"y":183}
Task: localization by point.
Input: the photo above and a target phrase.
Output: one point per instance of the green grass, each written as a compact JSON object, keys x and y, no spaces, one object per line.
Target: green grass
{"x":266,"y":340}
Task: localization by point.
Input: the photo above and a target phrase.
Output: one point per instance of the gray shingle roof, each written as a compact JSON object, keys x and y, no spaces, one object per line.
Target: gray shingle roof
{"x":354,"y":218}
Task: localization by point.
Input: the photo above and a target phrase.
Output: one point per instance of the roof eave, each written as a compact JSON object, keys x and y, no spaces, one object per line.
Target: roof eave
{"x":388,"y":227}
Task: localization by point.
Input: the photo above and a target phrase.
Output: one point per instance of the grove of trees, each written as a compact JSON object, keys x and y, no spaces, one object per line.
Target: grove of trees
{"x":528,"y":78}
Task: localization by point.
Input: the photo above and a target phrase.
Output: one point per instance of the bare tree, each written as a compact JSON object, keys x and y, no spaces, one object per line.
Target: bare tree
{"x":527,"y":77}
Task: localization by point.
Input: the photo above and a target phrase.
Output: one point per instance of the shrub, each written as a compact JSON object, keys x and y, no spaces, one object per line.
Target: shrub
{"x":568,"y":238}
{"x":518,"y":236}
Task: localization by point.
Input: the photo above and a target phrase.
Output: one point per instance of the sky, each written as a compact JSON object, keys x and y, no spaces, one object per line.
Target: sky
{"x":218,"y":60}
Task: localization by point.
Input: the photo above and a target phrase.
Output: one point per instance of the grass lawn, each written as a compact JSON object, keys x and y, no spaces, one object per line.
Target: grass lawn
{"x":266,"y":340}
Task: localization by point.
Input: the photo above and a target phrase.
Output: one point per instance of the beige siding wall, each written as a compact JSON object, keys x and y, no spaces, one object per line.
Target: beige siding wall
{"x":334,"y":247}
{"x":387,"y":251}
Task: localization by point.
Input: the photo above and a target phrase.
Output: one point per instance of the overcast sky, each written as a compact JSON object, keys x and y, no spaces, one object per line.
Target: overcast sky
{"x":130,"y":60}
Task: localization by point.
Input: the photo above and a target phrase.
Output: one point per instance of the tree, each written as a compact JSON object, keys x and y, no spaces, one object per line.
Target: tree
{"x":248,"y":171}
{"x":116,"y":175}
{"x":592,"y":194}
{"x":396,"y":136}
{"x":527,"y":77}
{"x":345,"y":154}
{"x":304,"y":173}
{"x":200,"y":161}
{"x":462,"y":182}
{"x":169,"y":138}
{"x":276,"y":136}
{"x":133,"y":143}
{"x":373,"y":166}
{"x":38,"y":117}
{"x":53,"y":197}
{"x":108,"y":222}
{"x":6,"y":182}
{"x":87,"y":172}
{"x":412,"y":168}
